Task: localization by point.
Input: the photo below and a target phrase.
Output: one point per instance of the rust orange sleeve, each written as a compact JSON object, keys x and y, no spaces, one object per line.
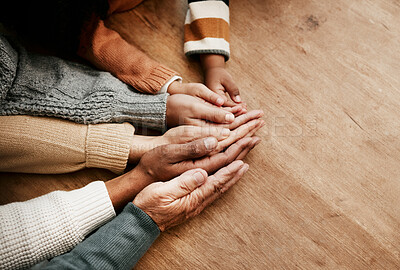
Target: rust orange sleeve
{"x":108,"y":51}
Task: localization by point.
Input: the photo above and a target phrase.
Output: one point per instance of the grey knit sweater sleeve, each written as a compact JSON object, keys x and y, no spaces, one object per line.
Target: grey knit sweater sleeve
{"x":117,"y":245}
{"x":48,"y":86}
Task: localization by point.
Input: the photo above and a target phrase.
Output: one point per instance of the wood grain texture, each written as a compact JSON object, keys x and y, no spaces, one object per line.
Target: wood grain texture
{"x":323,"y":189}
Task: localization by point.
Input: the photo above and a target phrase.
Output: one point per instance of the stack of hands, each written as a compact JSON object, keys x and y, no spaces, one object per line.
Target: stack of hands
{"x":196,"y":160}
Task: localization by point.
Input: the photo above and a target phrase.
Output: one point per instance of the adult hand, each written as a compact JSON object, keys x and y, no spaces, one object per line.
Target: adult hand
{"x":171,"y":203}
{"x":197,"y":90}
{"x":188,"y":110}
{"x":168,"y":161}
{"x":177,"y":135}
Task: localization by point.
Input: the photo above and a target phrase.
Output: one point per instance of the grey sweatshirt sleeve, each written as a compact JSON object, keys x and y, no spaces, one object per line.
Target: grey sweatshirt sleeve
{"x":34,"y":84}
{"x":117,"y":245}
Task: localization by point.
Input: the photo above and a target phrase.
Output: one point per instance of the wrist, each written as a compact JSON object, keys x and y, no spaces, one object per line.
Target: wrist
{"x":140,"y":145}
{"x":124,"y":188}
{"x":174,"y":87}
{"x":209,"y":61}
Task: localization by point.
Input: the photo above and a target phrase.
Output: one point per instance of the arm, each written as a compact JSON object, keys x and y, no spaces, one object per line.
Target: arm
{"x":117,"y":245}
{"x":50,"y":145}
{"x":108,"y":51}
{"x":48,"y":86}
{"x":122,"y":242}
{"x":50,"y":225}
{"x":207,"y":28}
{"x":207,"y":35}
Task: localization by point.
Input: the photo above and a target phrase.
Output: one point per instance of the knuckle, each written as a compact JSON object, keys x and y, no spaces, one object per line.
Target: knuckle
{"x":194,"y":149}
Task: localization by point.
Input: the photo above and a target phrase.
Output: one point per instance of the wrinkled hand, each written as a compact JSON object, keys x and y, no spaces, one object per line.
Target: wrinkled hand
{"x":168,"y":161}
{"x":177,"y":135}
{"x":171,"y":203}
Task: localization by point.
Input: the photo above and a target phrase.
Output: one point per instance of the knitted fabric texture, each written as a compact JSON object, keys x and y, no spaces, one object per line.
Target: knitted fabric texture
{"x":48,"y":86}
{"x":119,"y":244}
{"x":48,"y":145}
{"x":50,"y":225}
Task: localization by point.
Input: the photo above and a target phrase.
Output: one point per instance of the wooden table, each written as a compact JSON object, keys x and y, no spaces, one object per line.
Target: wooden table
{"x":323,"y":189}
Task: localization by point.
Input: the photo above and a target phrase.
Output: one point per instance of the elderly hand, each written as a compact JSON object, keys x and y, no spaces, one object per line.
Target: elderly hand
{"x":177,"y":135}
{"x":171,"y":203}
{"x":168,"y":161}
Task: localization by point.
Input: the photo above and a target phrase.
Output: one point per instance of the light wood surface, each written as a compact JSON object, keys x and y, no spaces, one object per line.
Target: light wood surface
{"x":323,"y":189}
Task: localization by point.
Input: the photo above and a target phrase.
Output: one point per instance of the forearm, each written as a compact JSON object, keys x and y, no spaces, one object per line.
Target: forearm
{"x":50,"y":225}
{"x":49,"y":145}
{"x":124,"y":188}
{"x":49,"y":86}
{"x":117,"y":245}
{"x":108,"y":51}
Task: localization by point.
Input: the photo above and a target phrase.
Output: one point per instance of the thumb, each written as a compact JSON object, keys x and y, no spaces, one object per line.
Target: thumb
{"x":185,"y":183}
{"x":191,"y":150}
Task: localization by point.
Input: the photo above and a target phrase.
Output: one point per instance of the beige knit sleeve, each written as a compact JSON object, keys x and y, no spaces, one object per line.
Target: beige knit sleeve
{"x":45,"y":145}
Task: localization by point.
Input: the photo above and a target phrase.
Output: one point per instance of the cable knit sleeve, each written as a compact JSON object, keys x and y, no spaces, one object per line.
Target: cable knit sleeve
{"x":207,"y":28}
{"x":50,"y":225}
{"x":49,"y":86}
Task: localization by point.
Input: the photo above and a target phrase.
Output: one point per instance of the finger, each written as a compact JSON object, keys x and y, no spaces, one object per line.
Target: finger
{"x":231,"y":87}
{"x":221,"y":183}
{"x":219,"y":160}
{"x":240,"y":120}
{"x":260,"y":125}
{"x":244,"y":153}
{"x":198,"y":148}
{"x":234,"y":109}
{"x":184,"y":184}
{"x":207,"y":94}
{"x":229,"y":103}
{"x":183,"y":134}
{"x":218,"y":183}
{"x":212,"y":113}
{"x":238,"y":133}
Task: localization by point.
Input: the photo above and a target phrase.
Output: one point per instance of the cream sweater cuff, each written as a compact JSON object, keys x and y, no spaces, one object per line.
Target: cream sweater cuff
{"x":50,"y":225}
{"x":91,"y":207}
{"x":107,"y":146}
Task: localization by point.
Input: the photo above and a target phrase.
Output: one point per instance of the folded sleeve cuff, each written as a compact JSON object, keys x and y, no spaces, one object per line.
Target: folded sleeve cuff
{"x":108,"y":145}
{"x":91,"y":207}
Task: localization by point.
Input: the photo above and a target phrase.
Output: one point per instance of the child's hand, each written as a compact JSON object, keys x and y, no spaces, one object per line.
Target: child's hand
{"x":218,"y":79}
{"x":197,"y":90}
{"x":189,"y":110}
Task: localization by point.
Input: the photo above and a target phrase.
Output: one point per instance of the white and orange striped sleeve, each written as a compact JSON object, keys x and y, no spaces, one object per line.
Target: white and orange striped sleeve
{"x":207,"y":28}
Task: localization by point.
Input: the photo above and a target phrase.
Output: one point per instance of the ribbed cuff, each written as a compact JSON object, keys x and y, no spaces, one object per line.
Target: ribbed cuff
{"x":157,"y":78}
{"x":142,"y":110}
{"x":91,"y":207}
{"x":108,"y":145}
{"x":146,"y":222}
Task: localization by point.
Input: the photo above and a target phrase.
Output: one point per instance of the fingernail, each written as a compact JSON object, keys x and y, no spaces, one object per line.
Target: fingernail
{"x":199,"y":177}
{"x":220,"y":100}
{"x":246,"y":166}
{"x":210,"y":143}
{"x":229,"y":117}
{"x":238,"y":98}
{"x":225,"y":132}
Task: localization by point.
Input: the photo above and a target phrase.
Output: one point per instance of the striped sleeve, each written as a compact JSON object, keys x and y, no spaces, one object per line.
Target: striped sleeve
{"x":207,"y":28}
